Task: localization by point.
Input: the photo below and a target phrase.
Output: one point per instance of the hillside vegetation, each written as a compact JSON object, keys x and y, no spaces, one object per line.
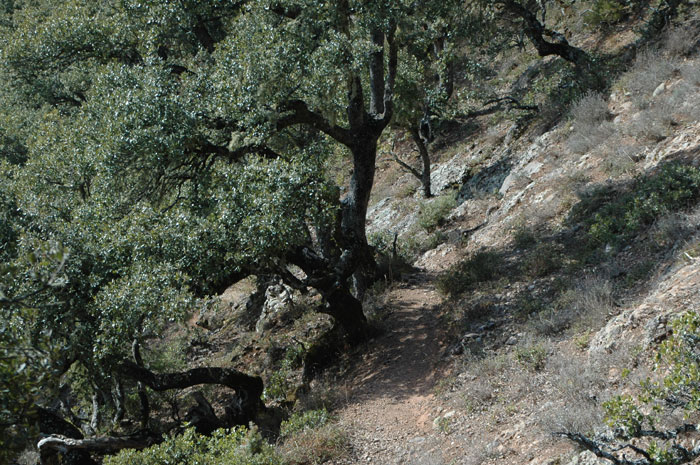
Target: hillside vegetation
{"x":305,"y":232}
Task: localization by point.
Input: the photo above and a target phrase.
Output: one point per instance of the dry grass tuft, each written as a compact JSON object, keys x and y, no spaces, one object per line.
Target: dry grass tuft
{"x":316,"y":446}
{"x":650,"y":69}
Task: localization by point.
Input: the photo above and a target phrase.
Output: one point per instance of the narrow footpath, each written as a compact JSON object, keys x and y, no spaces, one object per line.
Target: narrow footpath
{"x":391,"y":412}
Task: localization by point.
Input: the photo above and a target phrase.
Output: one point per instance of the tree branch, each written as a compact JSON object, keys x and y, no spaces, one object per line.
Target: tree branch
{"x":103,"y":445}
{"x":597,"y":448}
{"x":406,"y":166}
{"x":250,"y":386}
{"x":497,"y":103}
{"x":376,"y":74}
{"x":536,"y":31}
{"x":299,"y":113}
{"x":391,"y":78}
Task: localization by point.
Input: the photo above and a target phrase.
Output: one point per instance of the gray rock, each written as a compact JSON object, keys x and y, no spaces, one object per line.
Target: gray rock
{"x":587,"y":458}
{"x":448,"y":174}
{"x":656,"y":330}
{"x":532,"y":168}
{"x":486,"y":181}
{"x":659,"y":90}
{"x":277,"y":308}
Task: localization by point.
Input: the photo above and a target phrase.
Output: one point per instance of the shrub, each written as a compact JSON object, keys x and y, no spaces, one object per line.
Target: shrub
{"x":583,"y":141}
{"x":482,"y":266}
{"x":543,"y":260}
{"x":298,"y":422}
{"x":280,"y":387}
{"x":592,"y":109}
{"x":650,"y":69}
{"x":591,"y":129}
{"x":523,"y":236}
{"x":682,"y":40}
{"x":238,"y":446}
{"x":620,"y":159}
{"x":691,"y":73}
{"x":644,"y":423}
{"x":581,"y":387}
{"x":654,"y":123}
{"x":531,"y":356}
{"x":586,"y":306}
{"x":672,"y":188}
{"x":387,"y":244}
{"x":432,"y":213}
{"x":607,"y":12}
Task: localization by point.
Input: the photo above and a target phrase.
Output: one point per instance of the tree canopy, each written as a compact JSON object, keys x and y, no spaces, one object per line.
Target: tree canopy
{"x":153,"y":153}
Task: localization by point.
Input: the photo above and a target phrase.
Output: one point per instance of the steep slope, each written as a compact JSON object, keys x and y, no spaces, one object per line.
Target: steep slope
{"x":540,"y":344}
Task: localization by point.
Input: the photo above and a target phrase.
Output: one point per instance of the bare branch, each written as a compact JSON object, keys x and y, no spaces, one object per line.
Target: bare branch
{"x":102,"y":445}
{"x":598,"y":449}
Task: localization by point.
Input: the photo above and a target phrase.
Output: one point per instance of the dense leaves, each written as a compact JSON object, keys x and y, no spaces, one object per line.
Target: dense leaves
{"x":234,"y":447}
{"x":154,"y":152}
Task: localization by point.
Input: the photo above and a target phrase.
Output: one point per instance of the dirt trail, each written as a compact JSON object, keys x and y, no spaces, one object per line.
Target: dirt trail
{"x":390,"y":414}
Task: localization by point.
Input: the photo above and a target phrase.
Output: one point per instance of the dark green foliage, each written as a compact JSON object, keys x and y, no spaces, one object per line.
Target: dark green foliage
{"x":225,"y":447}
{"x":650,"y":420}
{"x":532,"y":356}
{"x":524,"y":237}
{"x":394,"y":256}
{"x":481,"y":267}
{"x":542,"y":260}
{"x":298,"y":422}
{"x":614,"y":218}
{"x":432,"y":213}
{"x":607,"y":12}
{"x":280,"y":385}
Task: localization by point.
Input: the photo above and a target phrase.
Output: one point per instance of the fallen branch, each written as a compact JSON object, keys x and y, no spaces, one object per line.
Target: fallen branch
{"x":603,"y":450}
{"x":101,"y":445}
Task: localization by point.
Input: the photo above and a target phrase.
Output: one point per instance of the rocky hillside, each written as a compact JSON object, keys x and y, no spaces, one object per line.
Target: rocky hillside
{"x":561,"y":259}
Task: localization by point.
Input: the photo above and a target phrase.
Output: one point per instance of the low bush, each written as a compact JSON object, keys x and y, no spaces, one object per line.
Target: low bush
{"x":524,"y":237}
{"x":583,"y":141}
{"x":650,"y":69}
{"x":432,"y":213}
{"x":589,"y":118}
{"x":280,"y":387}
{"x":301,"y":421}
{"x":691,"y":73}
{"x":543,"y":260}
{"x":607,"y":12}
{"x":650,"y":423}
{"x":238,"y":446}
{"x":615,"y":217}
{"x":592,"y":109}
{"x":532,"y":356}
{"x":654,"y":123}
{"x":587,"y":305}
{"x":682,"y":40}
